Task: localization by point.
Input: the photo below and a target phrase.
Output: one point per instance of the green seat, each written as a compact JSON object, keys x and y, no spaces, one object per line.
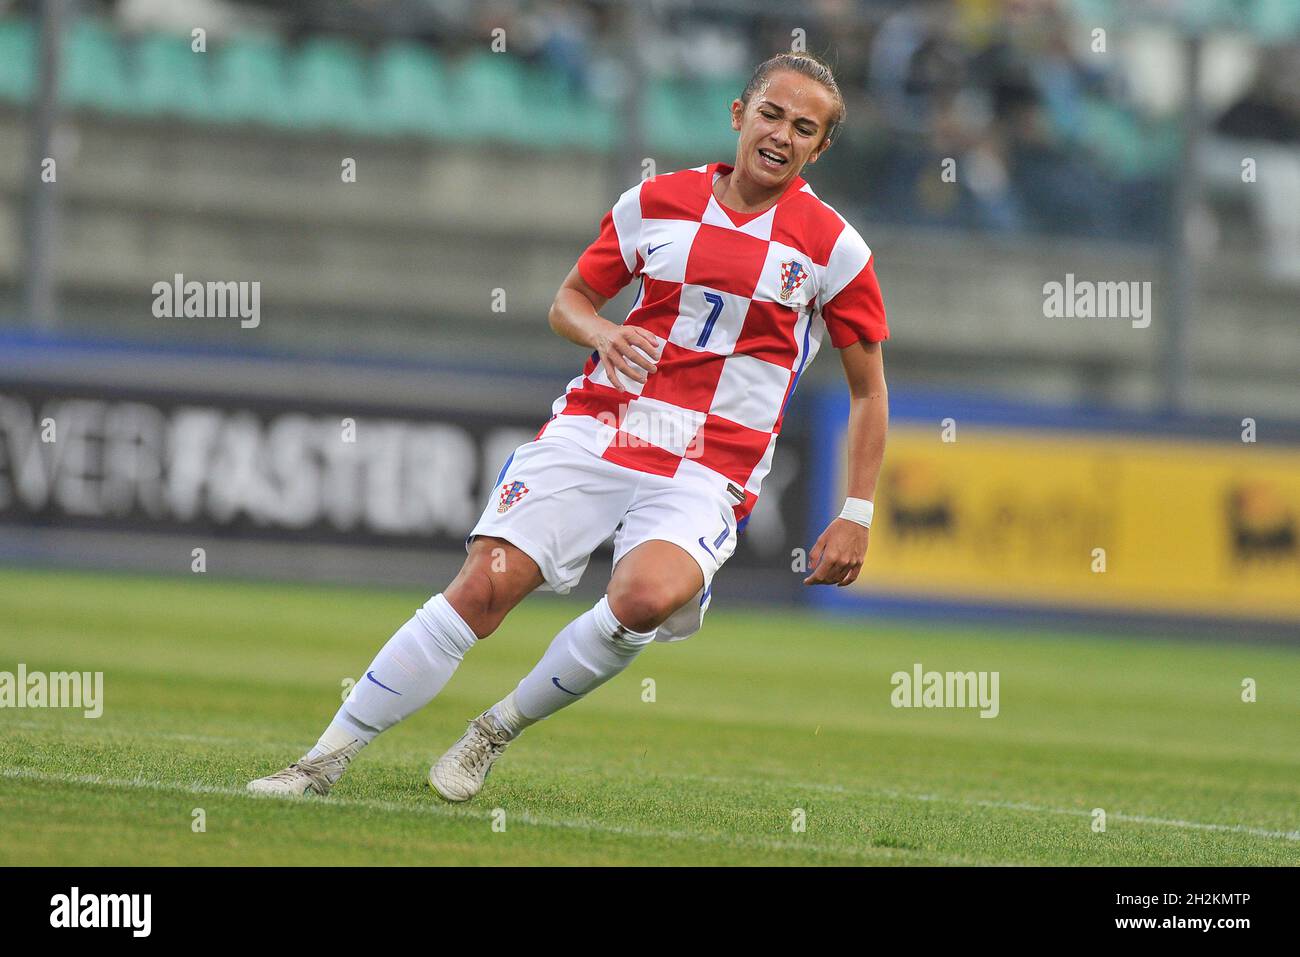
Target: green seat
{"x":672,"y":119}
{"x":1099,"y":12}
{"x":410,"y":92}
{"x":1275,"y":19}
{"x":713,"y":113}
{"x":596,"y":127}
{"x":328,"y":86}
{"x":554,"y":115}
{"x":94,"y":69}
{"x":551,"y":112}
{"x":487,"y":98}
{"x":250,"y":84}
{"x":169,"y":79}
{"x":17,"y":60}
{"x":1124,"y":145}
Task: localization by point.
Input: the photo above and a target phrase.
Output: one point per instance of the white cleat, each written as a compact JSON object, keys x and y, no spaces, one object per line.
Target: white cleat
{"x":459,"y":774}
{"x":307,"y":775}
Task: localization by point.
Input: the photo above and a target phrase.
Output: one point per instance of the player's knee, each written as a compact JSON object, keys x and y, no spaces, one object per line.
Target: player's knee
{"x":473,"y":595}
{"x":643,"y":606}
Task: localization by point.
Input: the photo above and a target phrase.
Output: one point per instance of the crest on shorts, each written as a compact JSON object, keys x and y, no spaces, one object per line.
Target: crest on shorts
{"x":511,"y":492}
{"x":793,"y":273}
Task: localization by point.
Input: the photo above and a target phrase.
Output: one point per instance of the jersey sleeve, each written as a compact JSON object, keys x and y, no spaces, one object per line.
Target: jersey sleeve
{"x":853,"y":309}
{"x":612,"y":261}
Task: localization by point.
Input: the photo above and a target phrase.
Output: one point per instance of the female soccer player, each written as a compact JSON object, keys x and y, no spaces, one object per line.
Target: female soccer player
{"x":664,"y":438}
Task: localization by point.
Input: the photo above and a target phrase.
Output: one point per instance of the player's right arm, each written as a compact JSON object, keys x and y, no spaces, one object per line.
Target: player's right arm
{"x":623,"y":350}
{"x":606,"y":266}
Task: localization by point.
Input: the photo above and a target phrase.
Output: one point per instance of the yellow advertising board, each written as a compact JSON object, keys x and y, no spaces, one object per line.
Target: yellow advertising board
{"x":1087,"y":521}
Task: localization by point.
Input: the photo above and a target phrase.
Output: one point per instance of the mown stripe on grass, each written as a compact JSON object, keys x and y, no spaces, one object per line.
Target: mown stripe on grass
{"x":1005,"y":806}
{"x":443,"y":810}
{"x":896,"y":794}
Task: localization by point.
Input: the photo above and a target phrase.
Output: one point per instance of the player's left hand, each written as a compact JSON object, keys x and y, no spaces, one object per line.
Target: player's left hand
{"x":837,"y":556}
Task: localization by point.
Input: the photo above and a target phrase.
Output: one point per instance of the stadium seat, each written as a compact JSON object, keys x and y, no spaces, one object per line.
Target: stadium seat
{"x":1125,"y":146}
{"x":328,"y":87}
{"x":1275,"y":19}
{"x":596,"y":127}
{"x":249,"y":82}
{"x":714,"y":106}
{"x":487,"y":98}
{"x":1101,"y":12}
{"x":552,"y":112}
{"x":94,"y":69}
{"x":170,"y":79}
{"x":679,"y":120}
{"x":17,"y":60}
{"x":410,"y":91}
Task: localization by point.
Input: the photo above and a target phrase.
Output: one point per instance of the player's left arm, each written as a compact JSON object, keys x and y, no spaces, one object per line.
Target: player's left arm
{"x":837,"y":556}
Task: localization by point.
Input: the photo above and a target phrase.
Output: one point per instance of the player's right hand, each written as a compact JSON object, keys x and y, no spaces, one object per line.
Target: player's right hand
{"x":628,"y":350}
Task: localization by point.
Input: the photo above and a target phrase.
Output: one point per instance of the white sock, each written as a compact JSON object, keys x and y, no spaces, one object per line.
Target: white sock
{"x":508,"y":715}
{"x":409,"y":671}
{"x":590,"y":650}
{"x":336,"y":736}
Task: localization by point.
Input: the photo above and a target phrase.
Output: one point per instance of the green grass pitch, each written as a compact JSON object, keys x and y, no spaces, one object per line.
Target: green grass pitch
{"x":209,"y":683}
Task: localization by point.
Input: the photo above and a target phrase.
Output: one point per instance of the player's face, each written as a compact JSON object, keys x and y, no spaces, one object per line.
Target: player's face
{"x":783,"y":127}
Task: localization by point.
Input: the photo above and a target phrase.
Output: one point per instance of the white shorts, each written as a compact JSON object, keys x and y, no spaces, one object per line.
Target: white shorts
{"x":557,"y":502}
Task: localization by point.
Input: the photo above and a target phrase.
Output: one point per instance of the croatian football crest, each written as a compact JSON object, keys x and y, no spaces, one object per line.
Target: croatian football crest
{"x":511,"y":492}
{"x":793,"y":273}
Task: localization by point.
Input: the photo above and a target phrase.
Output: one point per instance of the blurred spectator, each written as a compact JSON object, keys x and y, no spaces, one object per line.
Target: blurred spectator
{"x":1264,"y":126}
{"x":1001,"y":91}
{"x":1037,"y":128}
{"x":560,"y":36}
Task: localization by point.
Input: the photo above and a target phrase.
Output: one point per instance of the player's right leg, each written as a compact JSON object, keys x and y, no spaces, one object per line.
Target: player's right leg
{"x":416,"y":663}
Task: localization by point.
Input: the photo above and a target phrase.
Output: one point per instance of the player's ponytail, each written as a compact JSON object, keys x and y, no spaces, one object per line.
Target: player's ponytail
{"x":807,"y":65}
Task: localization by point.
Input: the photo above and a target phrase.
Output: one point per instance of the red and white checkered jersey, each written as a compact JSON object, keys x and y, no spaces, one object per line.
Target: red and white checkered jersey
{"x":741,"y":302}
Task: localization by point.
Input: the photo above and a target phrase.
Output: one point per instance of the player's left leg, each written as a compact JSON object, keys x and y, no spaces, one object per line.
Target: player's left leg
{"x":650,"y":582}
{"x":677,"y":532}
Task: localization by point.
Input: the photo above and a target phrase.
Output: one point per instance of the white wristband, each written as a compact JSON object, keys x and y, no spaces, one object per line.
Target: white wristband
{"x":858,"y":510}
